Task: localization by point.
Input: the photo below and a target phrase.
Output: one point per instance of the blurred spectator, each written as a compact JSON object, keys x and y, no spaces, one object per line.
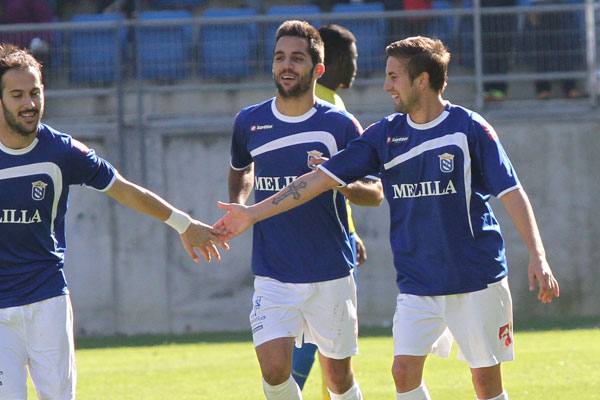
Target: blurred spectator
{"x":496,"y":44}
{"x":401,"y":28}
{"x":557,"y":46}
{"x":27,"y":11}
{"x":126,"y":7}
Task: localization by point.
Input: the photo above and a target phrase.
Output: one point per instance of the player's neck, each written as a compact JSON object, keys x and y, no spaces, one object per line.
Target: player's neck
{"x":14,"y":140}
{"x":428,"y":110}
{"x":295,"y":106}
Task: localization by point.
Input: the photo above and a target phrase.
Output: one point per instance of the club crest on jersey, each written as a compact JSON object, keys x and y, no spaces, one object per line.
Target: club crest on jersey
{"x":311,"y":156}
{"x":38,"y":190}
{"x":505,"y":333}
{"x":446,"y":162}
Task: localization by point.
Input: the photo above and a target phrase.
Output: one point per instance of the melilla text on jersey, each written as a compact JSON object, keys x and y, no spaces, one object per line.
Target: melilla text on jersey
{"x":274,"y":183}
{"x":422,"y":189}
{"x":12,"y":216}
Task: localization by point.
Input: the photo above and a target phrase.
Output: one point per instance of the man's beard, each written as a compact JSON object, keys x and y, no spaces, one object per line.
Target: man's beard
{"x":301,"y":87}
{"x":11,"y":121}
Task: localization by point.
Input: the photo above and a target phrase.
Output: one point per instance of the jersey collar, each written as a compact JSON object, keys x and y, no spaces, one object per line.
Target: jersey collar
{"x":285,"y":118}
{"x":18,"y":152}
{"x":430,"y":124}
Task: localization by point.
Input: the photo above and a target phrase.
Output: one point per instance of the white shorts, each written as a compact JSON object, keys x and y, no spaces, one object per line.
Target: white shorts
{"x":324,"y":313}
{"x":481,"y":322}
{"x":38,"y":336}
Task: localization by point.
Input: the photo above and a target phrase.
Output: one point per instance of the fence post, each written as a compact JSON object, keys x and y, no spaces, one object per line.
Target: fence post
{"x":590,"y":40}
{"x":478,"y":54}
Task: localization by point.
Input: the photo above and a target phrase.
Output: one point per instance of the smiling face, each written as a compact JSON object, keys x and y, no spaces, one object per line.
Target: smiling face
{"x":22,"y":101}
{"x":293,"y":69}
{"x":397,"y":83}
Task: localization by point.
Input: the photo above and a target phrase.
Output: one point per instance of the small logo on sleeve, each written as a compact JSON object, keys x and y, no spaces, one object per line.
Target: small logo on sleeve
{"x":38,"y":190}
{"x":446,"y":162}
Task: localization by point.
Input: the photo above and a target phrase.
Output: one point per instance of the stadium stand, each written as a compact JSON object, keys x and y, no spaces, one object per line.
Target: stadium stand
{"x":370,"y":35}
{"x":165,"y":51}
{"x":94,"y":53}
{"x":228,"y":49}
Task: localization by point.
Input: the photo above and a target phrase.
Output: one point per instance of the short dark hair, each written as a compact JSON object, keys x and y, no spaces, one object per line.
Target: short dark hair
{"x":424,"y":55}
{"x":304,"y":30}
{"x":337,"y":41}
{"x":13,"y":57}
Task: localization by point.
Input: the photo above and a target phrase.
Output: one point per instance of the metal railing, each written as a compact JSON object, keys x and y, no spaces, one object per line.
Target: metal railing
{"x":125,"y":58}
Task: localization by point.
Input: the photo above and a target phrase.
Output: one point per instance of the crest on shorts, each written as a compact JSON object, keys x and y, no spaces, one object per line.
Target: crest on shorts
{"x":312,"y":155}
{"x":446,"y":162}
{"x":505,"y":333}
{"x":38,"y":190}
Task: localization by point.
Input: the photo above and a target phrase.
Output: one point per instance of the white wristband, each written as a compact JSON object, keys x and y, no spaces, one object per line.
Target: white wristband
{"x":179,"y":221}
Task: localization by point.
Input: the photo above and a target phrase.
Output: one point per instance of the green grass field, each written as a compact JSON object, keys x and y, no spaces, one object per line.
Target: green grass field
{"x":550,"y":364}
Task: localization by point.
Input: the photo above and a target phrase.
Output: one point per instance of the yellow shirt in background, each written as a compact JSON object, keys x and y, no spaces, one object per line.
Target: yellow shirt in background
{"x":329,"y":95}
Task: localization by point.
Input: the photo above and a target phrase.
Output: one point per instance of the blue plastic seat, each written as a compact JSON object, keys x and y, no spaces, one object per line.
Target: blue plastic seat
{"x":165,"y":50}
{"x":162,"y":4}
{"x":442,"y":27}
{"x":94,"y":52}
{"x":370,"y":34}
{"x":270,"y":29}
{"x":228,"y":49}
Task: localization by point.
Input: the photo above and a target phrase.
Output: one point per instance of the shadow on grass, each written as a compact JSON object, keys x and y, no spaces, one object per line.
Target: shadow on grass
{"x":523,"y":325}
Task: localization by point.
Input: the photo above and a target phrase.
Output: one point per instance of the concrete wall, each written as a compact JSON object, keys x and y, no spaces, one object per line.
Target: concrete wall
{"x":129,"y":274}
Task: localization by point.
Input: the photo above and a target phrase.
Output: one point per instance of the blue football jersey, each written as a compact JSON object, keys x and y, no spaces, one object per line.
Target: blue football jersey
{"x":437,"y":178}
{"x":309,"y":243}
{"x":34,"y":189}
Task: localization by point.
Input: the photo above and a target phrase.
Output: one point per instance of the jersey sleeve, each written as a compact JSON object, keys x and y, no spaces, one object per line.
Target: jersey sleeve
{"x":497,"y":173}
{"x":89,"y":169}
{"x":240,"y":156}
{"x":358,"y":160}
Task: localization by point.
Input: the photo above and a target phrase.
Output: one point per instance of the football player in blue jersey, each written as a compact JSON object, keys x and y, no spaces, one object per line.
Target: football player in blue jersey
{"x":37,"y":165}
{"x":340,"y":71}
{"x":302,"y":260}
{"x":439,"y":164}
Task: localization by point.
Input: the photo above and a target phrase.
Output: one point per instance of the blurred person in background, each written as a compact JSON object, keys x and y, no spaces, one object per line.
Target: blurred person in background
{"x":27,"y":12}
{"x":557,"y":45}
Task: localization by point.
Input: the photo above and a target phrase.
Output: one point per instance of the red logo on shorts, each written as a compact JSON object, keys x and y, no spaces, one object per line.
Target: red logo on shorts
{"x":505,"y":333}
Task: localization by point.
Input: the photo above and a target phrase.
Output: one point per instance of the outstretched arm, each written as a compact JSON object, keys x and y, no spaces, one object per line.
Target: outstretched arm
{"x":363,"y":192}
{"x":519,"y":208}
{"x":193,"y":234}
{"x":304,"y":188}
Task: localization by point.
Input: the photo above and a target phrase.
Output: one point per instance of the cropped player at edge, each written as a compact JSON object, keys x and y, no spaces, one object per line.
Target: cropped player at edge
{"x":439,"y":165}
{"x":37,"y":165}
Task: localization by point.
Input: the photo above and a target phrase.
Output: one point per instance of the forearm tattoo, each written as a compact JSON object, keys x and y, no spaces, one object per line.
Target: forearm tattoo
{"x":290,"y":190}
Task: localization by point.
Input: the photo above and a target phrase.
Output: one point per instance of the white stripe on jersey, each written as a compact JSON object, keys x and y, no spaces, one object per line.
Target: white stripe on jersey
{"x":48,"y":168}
{"x":458,"y":139}
{"x":305,"y":137}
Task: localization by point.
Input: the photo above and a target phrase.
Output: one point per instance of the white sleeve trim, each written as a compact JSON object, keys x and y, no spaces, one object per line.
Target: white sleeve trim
{"x":112,"y":181}
{"x":510,"y":189}
{"x":338,"y":180}
{"x":238,"y":169}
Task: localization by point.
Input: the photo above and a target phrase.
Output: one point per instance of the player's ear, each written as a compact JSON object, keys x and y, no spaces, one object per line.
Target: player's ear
{"x":423,"y":80}
{"x":319,"y":70}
